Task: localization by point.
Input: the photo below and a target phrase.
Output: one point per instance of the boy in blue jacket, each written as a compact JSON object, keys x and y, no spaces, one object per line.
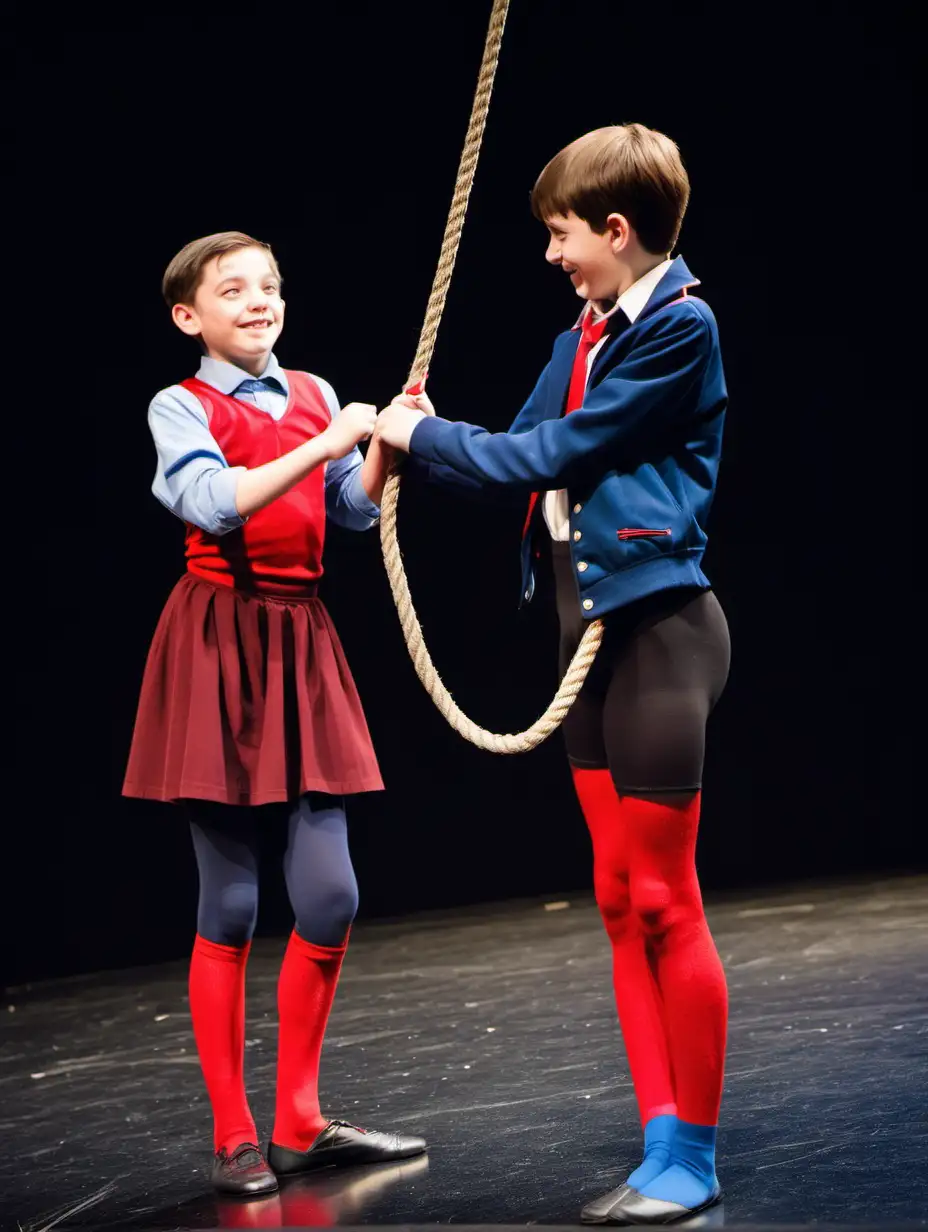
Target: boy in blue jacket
{"x":618,"y":450}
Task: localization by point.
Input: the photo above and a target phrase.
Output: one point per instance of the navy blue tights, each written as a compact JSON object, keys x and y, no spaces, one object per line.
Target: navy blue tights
{"x":320,"y":878}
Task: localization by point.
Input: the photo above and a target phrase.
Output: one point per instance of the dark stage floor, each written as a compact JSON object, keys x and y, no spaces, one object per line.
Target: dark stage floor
{"x":493,"y":1032}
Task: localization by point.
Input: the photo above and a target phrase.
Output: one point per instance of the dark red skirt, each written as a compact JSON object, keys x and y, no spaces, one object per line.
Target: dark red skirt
{"x":247,"y":699}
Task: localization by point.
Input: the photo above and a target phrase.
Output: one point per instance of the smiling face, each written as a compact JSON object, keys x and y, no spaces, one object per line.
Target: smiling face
{"x":237,"y":309}
{"x":592,"y":262}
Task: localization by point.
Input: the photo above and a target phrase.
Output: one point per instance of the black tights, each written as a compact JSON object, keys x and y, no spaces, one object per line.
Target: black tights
{"x":661,"y":668}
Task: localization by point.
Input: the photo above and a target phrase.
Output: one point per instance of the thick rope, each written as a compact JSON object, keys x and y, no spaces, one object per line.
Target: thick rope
{"x":542,"y":728}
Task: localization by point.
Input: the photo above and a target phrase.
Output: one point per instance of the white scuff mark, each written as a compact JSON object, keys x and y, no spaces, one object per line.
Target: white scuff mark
{"x":794,"y":909}
{"x":50,"y":1220}
{"x":797,"y":1158}
{"x":552,"y":1096}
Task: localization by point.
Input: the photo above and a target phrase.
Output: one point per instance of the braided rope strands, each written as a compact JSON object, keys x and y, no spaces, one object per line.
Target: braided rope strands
{"x":542,"y":728}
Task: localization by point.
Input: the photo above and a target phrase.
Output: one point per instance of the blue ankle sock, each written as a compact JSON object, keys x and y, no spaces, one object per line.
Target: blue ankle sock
{"x":658,"y":1135}
{"x":689,"y":1177}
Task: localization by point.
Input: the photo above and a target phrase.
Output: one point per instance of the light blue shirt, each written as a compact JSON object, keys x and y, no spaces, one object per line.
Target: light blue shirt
{"x":194,"y":480}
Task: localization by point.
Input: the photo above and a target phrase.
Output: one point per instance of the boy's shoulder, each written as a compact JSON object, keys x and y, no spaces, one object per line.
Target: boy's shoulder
{"x":687,"y":311}
{"x":174,"y":399}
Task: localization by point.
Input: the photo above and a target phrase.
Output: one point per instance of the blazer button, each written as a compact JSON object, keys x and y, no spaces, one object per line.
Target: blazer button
{"x":577,"y":536}
{"x":577,"y":508}
{"x":587,"y":604}
{"x":528,"y":594}
{"x":582,"y":567}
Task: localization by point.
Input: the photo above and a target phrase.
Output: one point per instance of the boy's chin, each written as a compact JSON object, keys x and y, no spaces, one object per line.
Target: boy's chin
{"x":257,"y":346}
{"x":263,"y":341}
{"x":238,"y":356}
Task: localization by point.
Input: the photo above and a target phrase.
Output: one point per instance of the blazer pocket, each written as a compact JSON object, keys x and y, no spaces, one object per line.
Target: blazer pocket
{"x":640,"y":532}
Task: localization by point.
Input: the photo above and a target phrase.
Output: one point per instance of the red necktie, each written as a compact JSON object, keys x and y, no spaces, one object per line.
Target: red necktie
{"x":590,"y":334}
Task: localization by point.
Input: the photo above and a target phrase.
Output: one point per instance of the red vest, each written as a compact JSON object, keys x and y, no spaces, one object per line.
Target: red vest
{"x":279,"y":549}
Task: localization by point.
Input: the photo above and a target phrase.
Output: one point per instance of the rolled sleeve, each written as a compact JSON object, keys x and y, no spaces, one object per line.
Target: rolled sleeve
{"x":346,"y":502}
{"x":192,"y":477}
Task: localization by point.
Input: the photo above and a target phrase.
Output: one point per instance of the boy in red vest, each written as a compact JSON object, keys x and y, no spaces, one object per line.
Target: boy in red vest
{"x":248,"y":716}
{"x":618,"y":449}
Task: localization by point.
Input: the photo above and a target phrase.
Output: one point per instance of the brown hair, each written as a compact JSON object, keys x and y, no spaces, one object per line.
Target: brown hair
{"x":183,"y":275}
{"x":625,"y":169}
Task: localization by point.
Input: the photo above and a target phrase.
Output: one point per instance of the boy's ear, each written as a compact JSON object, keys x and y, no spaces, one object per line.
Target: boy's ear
{"x":619,"y":229}
{"x":186,"y":319}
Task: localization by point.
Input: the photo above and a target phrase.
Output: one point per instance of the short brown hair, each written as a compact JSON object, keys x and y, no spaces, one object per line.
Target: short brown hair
{"x":183,"y":275}
{"x":625,"y":169}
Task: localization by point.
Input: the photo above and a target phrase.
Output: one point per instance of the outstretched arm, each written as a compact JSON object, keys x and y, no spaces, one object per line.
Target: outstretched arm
{"x":643,"y":392}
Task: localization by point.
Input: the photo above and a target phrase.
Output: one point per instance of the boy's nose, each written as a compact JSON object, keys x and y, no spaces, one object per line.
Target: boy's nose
{"x":553,"y":253}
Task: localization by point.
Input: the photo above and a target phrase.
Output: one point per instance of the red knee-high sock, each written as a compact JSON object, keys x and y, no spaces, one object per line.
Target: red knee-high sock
{"x":636,"y":993}
{"x":666,"y":897}
{"x":305,"y":992}
{"x":217,"y":1007}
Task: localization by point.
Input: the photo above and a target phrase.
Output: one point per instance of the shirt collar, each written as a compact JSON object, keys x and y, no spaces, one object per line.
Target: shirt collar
{"x":633,"y":299}
{"x":227,"y":377}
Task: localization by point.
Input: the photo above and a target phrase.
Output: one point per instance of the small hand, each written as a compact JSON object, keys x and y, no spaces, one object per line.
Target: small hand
{"x":416,"y":402}
{"x":396,"y":424}
{"x":355,"y":422}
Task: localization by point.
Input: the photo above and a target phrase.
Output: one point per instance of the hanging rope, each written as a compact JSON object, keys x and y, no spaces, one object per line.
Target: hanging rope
{"x":542,"y":728}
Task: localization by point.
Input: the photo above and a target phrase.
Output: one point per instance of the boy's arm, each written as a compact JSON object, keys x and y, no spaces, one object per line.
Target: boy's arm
{"x":196,"y":483}
{"x":470,"y":486}
{"x":353,"y":485}
{"x":192,"y":478}
{"x":641,"y":393}
{"x":375,"y":471}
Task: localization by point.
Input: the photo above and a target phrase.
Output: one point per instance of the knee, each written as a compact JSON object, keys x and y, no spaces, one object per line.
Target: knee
{"x":228,"y":916}
{"x":324,"y":912}
{"x":611,"y":887}
{"x":659,"y":909}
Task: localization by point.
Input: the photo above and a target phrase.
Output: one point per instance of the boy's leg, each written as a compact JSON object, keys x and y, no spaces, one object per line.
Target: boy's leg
{"x":225,"y":843}
{"x":324,"y":896}
{"x":637,"y":996}
{"x":636,"y":993}
{"x":663,"y":687}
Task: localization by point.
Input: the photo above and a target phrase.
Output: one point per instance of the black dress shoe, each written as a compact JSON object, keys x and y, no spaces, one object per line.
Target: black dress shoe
{"x":635,"y":1208}
{"x":244,"y":1173}
{"x":340,"y":1145}
{"x":599,"y":1210}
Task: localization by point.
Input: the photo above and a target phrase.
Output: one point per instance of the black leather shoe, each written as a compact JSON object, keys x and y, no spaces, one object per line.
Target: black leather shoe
{"x":599,"y":1209}
{"x":340,"y":1145}
{"x":635,"y":1208}
{"x":244,"y":1173}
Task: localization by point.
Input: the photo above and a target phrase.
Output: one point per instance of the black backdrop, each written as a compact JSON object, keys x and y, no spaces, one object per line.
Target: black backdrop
{"x":333,"y":133}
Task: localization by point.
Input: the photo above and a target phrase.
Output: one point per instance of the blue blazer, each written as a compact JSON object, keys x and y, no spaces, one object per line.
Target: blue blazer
{"x":639,"y":458}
